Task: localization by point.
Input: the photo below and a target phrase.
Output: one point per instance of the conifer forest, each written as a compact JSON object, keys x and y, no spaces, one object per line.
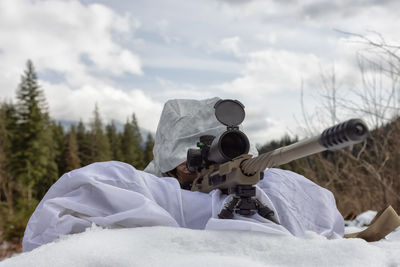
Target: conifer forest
{"x":35,"y":151}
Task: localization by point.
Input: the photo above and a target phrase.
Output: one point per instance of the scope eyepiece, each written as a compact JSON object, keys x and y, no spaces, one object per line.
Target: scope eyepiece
{"x":194,"y":159}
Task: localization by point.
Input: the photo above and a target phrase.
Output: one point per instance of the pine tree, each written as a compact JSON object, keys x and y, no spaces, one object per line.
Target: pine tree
{"x":115,"y":141}
{"x":34,"y":163}
{"x":84,"y":144}
{"x":4,"y":177}
{"x":131,"y":144}
{"x":59,"y":143}
{"x":148,"y":149}
{"x":100,"y":146}
{"x":71,"y":154}
{"x":8,"y":121}
{"x":3,"y":144}
{"x":31,"y":161}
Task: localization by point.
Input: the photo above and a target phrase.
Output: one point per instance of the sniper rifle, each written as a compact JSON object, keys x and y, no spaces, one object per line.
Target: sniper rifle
{"x":222,"y":162}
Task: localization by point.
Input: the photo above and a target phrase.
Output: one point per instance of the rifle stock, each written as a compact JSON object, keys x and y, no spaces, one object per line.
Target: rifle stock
{"x":246,"y":170}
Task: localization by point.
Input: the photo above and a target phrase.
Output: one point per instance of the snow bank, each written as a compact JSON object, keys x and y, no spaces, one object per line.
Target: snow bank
{"x":167,"y":246}
{"x":360,"y":223}
{"x":363,"y":219}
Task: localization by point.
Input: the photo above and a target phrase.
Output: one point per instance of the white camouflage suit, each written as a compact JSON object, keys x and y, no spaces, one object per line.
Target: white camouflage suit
{"x":116,"y":195}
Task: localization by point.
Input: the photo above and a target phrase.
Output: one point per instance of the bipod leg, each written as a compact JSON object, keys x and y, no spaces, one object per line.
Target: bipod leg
{"x":265,"y":211}
{"x":229,"y":207}
{"x":245,"y":203}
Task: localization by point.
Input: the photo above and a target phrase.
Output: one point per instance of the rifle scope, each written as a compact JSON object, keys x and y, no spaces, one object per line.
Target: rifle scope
{"x":225,"y":147}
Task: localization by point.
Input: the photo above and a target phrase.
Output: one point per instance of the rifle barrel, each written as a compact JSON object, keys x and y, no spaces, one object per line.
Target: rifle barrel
{"x":341,"y":135}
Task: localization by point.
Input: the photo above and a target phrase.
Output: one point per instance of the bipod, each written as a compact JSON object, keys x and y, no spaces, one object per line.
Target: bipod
{"x":245,"y":203}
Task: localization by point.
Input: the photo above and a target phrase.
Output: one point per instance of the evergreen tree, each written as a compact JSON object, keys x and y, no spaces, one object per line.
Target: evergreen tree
{"x":115,"y":141}
{"x":59,"y":141}
{"x":8,"y":121}
{"x":100,"y":146}
{"x":84,"y":144}
{"x":3,"y":143}
{"x":71,"y":155}
{"x":131,"y":144}
{"x":34,"y":163}
{"x":30,"y":156}
{"x":148,"y":149}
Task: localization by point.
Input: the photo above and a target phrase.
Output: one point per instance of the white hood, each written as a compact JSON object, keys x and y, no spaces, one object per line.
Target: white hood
{"x":182,"y":123}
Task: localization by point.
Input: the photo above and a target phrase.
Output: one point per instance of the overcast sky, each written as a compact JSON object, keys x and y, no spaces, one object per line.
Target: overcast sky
{"x":132,"y":56}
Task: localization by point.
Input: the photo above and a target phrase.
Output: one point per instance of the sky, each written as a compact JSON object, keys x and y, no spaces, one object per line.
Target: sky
{"x":132,"y":56}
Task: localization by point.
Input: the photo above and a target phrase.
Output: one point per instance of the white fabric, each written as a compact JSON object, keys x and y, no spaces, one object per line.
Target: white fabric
{"x":114,"y":195}
{"x":182,"y":123}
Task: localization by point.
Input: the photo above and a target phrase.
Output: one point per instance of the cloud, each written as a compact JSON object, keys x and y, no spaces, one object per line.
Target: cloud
{"x":259,"y":127}
{"x":114,"y":103}
{"x":57,"y":34}
{"x":254,"y":50}
{"x":231,"y":45}
{"x":169,"y":89}
{"x":79,"y":44}
{"x":270,"y":71}
{"x":341,"y":8}
{"x":236,"y":2}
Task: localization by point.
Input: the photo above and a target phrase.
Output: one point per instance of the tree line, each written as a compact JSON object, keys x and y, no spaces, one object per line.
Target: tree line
{"x":36,"y":150}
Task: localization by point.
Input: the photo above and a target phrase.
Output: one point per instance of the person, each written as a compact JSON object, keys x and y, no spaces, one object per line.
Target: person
{"x":116,"y":195}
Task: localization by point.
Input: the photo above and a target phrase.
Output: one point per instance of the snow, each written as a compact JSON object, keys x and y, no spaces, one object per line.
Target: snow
{"x":363,"y":219}
{"x":169,"y":246}
{"x":360,"y":222}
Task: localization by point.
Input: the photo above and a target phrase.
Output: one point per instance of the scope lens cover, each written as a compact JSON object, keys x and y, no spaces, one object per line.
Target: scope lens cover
{"x":229,"y":112}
